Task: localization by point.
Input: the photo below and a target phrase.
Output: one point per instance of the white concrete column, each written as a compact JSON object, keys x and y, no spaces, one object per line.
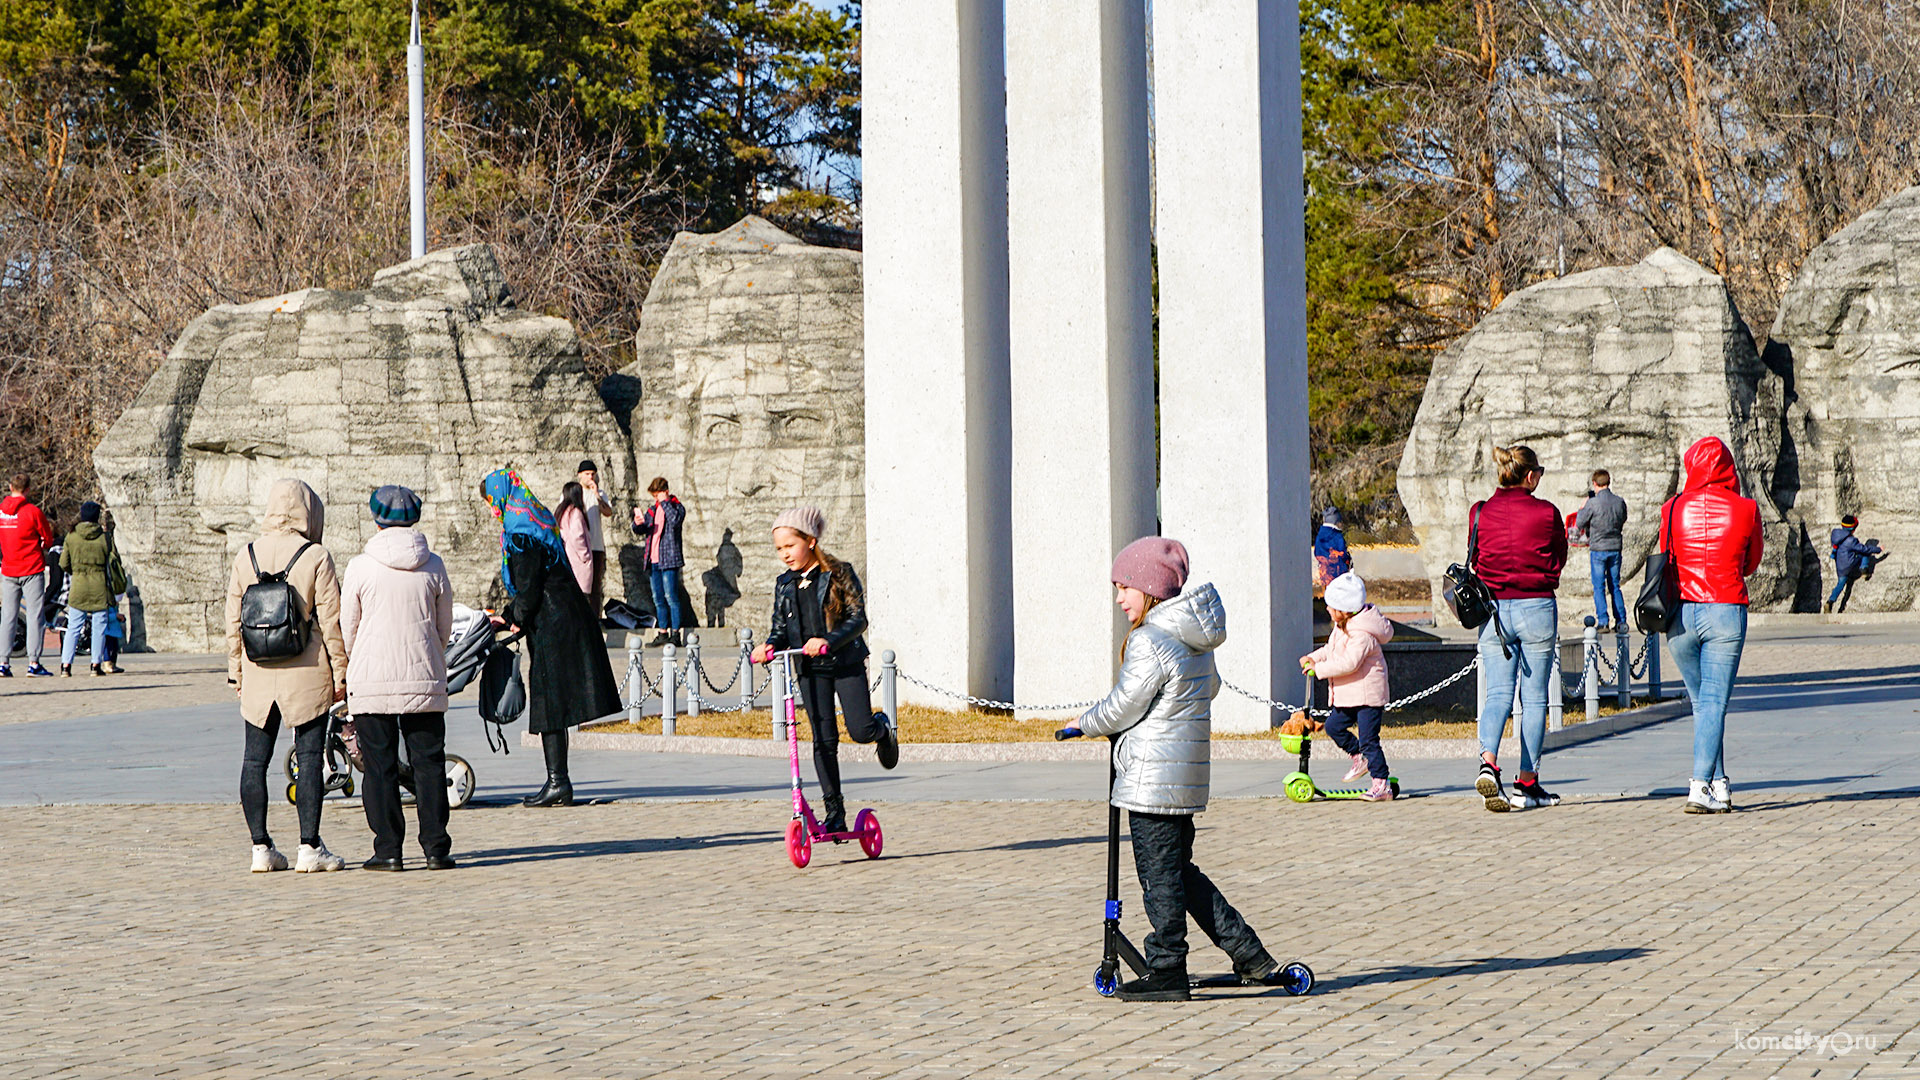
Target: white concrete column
{"x":939,"y":566}
{"x":1233,"y":348}
{"x":1080,"y":311}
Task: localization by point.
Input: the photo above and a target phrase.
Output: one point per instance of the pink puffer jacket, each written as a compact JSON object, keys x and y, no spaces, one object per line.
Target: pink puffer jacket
{"x":396,"y":613}
{"x":1353,"y":662}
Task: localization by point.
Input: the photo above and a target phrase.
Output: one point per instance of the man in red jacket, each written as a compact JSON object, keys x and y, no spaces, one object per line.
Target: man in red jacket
{"x":24,"y":539}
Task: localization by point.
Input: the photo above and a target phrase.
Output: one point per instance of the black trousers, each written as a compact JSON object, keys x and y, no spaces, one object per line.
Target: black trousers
{"x":309,"y":746}
{"x":816,"y":694}
{"x":1175,"y":888}
{"x":426,"y":736}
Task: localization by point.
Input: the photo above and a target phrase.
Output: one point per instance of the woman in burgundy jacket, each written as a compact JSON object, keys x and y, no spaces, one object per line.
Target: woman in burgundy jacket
{"x":1519,"y":553}
{"x":1711,"y":533}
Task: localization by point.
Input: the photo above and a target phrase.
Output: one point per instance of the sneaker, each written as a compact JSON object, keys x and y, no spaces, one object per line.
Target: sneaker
{"x":1488,"y":785}
{"x":1700,"y":799}
{"x":1156,"y":986}
{"x":6,"y":672}
{"x":1358,"y":769}
{"x":1722,"y":791}
{"x":1534,"y":796}
{"x":1381,"y":791}
{"x":887,"y":746}
{"x":38,"y":672}
{"x":267,"y":860}
{"x":314,"y":860}
{"x":1262,"y":972}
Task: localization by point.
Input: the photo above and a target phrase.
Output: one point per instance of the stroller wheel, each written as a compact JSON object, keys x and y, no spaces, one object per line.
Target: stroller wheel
{"x":293,"y":792}
{"x":346,"y":784}
{"x":460,"y":782}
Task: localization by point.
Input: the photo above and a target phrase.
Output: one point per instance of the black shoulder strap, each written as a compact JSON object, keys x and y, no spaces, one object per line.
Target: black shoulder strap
{"x":254,"y":561}
{"x":290,"y":562}
{"x":1473,"y":536}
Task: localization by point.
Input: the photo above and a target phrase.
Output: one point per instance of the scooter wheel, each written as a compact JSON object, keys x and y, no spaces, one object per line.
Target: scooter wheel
{"x":867,"y":824}
{"x":1296,"y":978}
{"x":346,"y":785}
{"x":1395,"y":785}
{"x":799,"y":844}
{"x":1299,"y":787}
{"x":1106,"y":980}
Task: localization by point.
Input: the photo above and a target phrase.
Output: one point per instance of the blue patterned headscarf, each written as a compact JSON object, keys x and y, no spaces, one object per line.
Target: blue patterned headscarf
{"x":524,"y":523}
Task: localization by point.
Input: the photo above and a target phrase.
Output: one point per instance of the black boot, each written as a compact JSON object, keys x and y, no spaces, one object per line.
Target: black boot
{"x":679,"y":639}
{"x":836,"y":819}
{"x":559,"y":787}
{"x":887,"y":745}
{"x":1158,"y":985}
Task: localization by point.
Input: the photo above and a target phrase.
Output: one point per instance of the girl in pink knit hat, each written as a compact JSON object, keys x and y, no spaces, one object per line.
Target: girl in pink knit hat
{"x":818,"y":606}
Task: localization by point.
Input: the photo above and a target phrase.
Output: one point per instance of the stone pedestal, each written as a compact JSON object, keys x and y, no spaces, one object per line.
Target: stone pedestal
{"x":1081,"y":333}
{"x":939,"y":573}
{"x":1233,"y":351}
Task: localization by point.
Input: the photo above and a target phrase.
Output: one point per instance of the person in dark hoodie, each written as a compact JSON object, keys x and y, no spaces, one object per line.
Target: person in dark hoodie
{"x":1853,"y":559}
{"x":85,"y":557}
{"x":658,"y":527}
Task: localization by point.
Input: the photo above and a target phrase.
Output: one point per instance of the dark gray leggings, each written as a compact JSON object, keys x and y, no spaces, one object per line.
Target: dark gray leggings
{"x":856,"y":703}
{"x":309,"y":743}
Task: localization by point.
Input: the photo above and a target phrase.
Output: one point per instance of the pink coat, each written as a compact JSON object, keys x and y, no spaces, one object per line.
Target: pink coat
{"x":1353,"y":662}
{"x":578,"y":540}
{"x":396,"y":613}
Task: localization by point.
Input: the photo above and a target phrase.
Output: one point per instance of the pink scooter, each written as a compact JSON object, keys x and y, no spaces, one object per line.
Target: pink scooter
{"x":804,"y":830}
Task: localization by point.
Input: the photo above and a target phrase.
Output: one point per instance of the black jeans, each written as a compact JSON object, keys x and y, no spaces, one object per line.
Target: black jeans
{"x":1175,"y":888}
{"x":1368,"y":717}
{"x":426,"y":735}
{"x":309,"y":745}
{"x":817,"y":693}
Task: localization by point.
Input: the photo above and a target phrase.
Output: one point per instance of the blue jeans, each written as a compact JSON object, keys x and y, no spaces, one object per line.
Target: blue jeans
{"x":1606,"y":582}
{"x":1705,"y":642}
{"x":666,"y":597}
{"x":1533,"y":630}
{"x":77,"y":621}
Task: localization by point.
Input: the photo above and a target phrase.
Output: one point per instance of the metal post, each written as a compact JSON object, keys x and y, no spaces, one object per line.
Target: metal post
{"x":636,"y":688}
{"x":1479,"y":690}
{"x":1653,"y":668}
{"x":777,"y":703}
{"x":416,"y":137}
{"x":693,"y":674}
{"x":890,"y":688}
{"x":1590,"y":678}
{"x":1623,"y":648}
{"x":745,"y":677}
{"x":668,"y":706}
{"x":1556,"y":693}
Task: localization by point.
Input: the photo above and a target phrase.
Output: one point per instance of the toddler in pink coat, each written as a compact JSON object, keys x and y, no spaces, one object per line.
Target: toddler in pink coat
{"x":1355,"y":666}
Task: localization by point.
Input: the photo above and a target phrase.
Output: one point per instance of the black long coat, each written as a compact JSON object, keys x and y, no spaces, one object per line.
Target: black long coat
{"x":569,"y":681}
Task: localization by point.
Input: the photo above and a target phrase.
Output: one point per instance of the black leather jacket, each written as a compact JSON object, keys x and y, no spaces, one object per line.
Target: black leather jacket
{"x":846,"y":644}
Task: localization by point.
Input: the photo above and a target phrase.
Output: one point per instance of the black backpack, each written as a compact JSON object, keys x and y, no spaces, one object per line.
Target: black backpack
{"x":273,"y":624}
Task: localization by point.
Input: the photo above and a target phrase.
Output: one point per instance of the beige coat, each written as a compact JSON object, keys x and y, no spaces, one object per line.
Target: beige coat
{"x":396,"y":612}
{"x":302,"y":686}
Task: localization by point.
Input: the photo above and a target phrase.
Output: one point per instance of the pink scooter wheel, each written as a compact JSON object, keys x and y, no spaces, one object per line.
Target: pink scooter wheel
{"x":867,"y":824}
{"x":799,"y":844}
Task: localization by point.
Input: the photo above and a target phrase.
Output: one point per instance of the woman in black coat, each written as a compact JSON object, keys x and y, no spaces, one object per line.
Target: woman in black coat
{"x":570,"y":680}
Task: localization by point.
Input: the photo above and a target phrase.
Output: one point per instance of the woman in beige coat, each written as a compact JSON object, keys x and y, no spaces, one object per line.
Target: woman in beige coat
{"x":298,"y":689}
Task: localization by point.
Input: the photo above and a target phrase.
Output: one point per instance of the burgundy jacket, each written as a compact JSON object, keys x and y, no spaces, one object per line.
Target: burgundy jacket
{"x":1523,"y":546}
{"x":1709,"y":530}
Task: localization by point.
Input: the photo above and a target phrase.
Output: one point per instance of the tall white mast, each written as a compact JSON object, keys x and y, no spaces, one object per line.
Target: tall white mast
{"x":417,"y":135}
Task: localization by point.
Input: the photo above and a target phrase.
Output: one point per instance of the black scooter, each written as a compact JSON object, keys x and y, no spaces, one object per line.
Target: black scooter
{"x":1294,"y":977}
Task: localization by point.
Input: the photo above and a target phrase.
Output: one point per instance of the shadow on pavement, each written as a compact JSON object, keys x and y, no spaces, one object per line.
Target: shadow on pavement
{"x":1488,"y":965}
{"x":645,"y":845}
{"x":1903,"y":675}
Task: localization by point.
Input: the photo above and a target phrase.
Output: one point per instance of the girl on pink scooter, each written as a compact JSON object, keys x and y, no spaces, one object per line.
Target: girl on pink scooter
{"x":818,"y":605}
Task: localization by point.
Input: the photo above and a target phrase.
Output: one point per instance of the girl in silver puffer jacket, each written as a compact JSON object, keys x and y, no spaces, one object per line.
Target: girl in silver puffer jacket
{"x":1160,"y":714}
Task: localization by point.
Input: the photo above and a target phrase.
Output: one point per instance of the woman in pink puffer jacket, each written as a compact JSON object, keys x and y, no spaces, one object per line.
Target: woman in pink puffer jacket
{"x":1354,"y":664}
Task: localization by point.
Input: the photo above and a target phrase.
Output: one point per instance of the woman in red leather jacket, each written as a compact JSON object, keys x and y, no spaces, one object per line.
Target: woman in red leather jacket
{"x":1711,"y":533}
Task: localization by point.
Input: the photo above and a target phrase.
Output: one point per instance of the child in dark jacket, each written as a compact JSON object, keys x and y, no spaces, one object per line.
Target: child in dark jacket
{"x":1853,"y":559}
{"x":1330,"y":555}
{"x":818,"y":606}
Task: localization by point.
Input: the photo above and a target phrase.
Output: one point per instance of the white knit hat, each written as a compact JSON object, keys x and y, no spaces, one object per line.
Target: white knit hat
{"x":806,"y":520}
{"x":1346,"y":593}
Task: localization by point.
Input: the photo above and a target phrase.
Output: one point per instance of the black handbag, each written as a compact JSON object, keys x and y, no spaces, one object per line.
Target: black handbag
{"x":1659,"y":602}
{"x":1472,"y":602}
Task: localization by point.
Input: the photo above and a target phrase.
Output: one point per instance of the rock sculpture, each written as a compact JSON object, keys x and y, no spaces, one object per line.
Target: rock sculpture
{"x":1619,"y":368}
{"x":749,"y":358}
{"x":431,"y":378}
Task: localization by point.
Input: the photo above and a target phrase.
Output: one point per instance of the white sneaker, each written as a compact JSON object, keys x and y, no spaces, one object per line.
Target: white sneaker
{"x":1722,"y":791}
{"x":317,"y":860}
{"x":1700,"y":799}
{"x":266,"y":859}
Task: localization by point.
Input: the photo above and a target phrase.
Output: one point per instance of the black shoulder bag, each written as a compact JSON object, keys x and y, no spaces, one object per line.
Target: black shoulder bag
{"x":1472,"y":602}
{"x":1659,"y":602}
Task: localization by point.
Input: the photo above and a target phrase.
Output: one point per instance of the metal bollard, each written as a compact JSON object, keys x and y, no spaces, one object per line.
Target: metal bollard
{"x":636,"y":688}
{"x":1653,"y":669}
{"x":745,"y":678}
{"x":1556,"y":693}
{"x":668,"y":674}
{"x":890,"y":688}
{"x":1479,"y":690}
{"x":693,"y":674}
{"x":1625,"y":671}
{"x":777,"y":703}
{"x":1590,"y":679}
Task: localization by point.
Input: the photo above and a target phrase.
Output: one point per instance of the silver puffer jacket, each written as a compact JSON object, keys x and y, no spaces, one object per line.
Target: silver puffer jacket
{"x":1162,"y":706}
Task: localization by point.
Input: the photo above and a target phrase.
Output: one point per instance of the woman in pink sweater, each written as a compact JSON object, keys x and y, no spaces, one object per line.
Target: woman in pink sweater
{"x":1355,"y":666}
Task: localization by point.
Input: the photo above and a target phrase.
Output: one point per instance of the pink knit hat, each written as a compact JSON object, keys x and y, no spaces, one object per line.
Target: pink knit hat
{"x":806,"y":520}
{"x":1155,"y":565}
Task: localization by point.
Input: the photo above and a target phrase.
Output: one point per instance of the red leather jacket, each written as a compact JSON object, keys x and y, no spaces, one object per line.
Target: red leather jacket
{"x":1523,"y":546}
{"x":1711,"y":531}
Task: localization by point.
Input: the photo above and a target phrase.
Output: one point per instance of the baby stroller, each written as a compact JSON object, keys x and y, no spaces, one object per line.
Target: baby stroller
{"x":341,"y":758}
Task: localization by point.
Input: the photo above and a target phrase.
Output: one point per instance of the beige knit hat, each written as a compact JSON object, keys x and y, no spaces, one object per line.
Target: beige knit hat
{"x":802,"y":519}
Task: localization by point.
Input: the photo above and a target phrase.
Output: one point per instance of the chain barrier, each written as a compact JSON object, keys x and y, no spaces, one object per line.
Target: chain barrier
{"x":1638,"y":667}
{"x":989,"y":703}
{"x":736,"y":707}
{"x":704,"y":677}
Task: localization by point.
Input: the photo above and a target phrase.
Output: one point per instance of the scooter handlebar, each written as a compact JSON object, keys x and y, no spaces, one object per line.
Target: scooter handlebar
{"x":1066,"y":733}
